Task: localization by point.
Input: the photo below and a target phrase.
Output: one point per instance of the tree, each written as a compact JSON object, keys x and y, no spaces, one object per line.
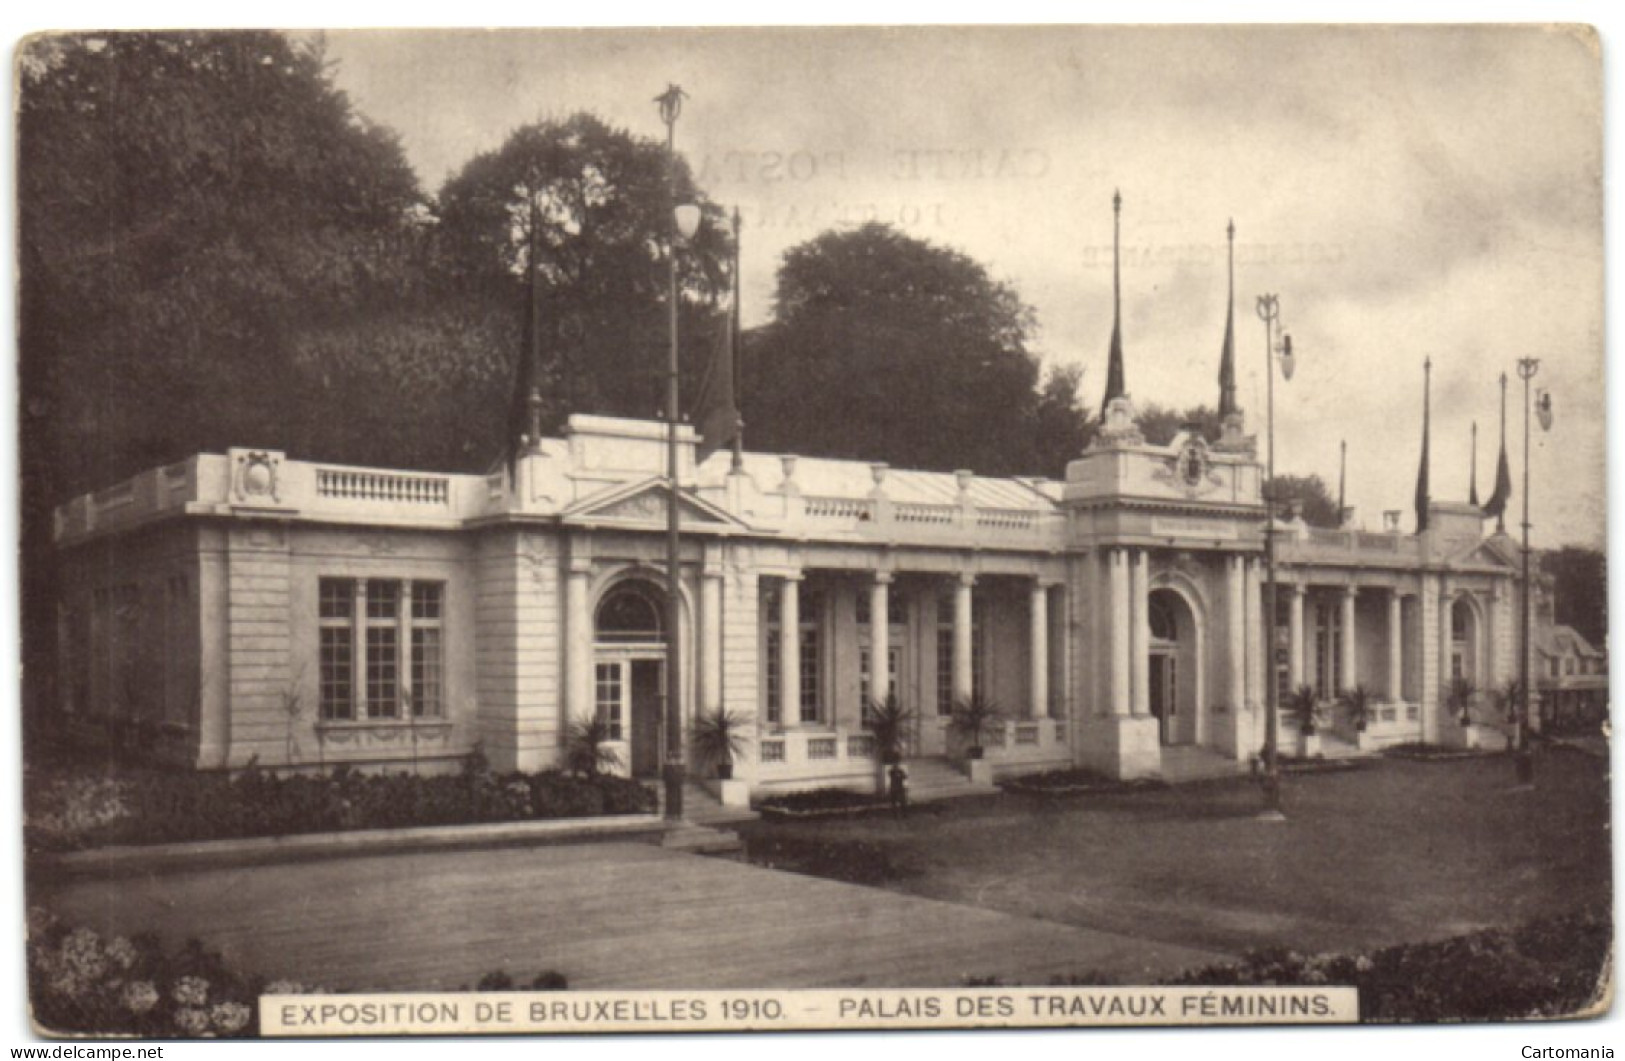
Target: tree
{"x":1309,"y":491}
{"x":1160,"y":424}
{"x":601,"y":207}
{"x":1579,"y":590}
{"x":1062,"y":426}
{"x":889,"y":348}
{"x":192,"y":208}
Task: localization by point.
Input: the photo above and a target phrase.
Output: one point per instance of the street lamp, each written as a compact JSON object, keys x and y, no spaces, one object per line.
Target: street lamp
{"x":684,"y":221}
{"x":1523,"y":760}
{"x":1269,"y":311}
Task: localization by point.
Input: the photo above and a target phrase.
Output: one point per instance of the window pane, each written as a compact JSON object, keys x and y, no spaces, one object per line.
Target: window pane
{"x":607,"y":697}
{"x":337,"y":659}
{"x":382,"y":677}
{"x":426,"y":699}
{"x":811,"y":708}
{"x":383,"y":599}
{"x":337,"y":596}
{"x":426,"y":600}
{"x":774,"y":700}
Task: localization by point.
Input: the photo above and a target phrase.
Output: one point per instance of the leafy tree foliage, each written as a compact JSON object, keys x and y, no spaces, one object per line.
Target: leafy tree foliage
{"x":887,"y":347}
{"x":1580,"y":590}
{"x":1159,"y":424}
{"x":1319,"y":506}
{"x":600,"y":202}
{"x":193,"y":208}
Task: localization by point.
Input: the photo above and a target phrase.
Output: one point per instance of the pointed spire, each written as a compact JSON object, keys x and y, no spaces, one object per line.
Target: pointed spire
{"x":1472,"y":478}
{"x":524,"y":434}
{"x":1497,"y":504}
{"x":1422,"y":471}
{"x":1227,"y":356}
{"x":1114,"y":370}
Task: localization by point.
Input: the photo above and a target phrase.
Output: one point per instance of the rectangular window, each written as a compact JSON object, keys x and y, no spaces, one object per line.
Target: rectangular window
{"x":608,"y":698}
{"x":812,"y":709}
{"x":427,"y":699}
{"x":945,"y":670}
{"x":400,"y":641}
{"x":775,"y":701}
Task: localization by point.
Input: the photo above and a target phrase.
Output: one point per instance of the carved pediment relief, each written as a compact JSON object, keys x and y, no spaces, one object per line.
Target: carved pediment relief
{"x":647,"y":505}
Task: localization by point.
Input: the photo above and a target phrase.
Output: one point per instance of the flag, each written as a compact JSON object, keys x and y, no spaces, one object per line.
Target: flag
{"x":1497,"y":504}
{"x":717,"y":408}
{"x":1422,"y":471}
{"x":1472,"y":476}
{"x":528,"y":368}
{"x":1227,"y":356}
{"x":1114,"y":367}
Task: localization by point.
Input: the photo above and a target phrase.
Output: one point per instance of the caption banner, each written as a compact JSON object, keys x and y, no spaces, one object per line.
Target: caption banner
{"x":539,"y":1012}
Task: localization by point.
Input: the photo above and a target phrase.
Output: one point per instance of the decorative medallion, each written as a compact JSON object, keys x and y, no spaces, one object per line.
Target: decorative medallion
{"x":255,"y":475}
{"x":1190,"y":470}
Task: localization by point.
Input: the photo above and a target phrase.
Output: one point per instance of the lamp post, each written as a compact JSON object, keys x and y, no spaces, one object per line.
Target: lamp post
{"x":1523,"y":760}
{"x":1269,"y":311}
{"x":683,"y":221}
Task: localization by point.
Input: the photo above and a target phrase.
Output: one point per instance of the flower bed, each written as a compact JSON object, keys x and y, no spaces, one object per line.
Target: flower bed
{"x":1552,"y":967}
{"x":821,"y":803}
{"x":1075,"y":782}
{"x":70,"y":808}
{"x":82,"y":984}
{"x":1431,"y":753}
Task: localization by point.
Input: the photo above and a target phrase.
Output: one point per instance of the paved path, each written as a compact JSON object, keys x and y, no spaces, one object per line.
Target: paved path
{"x":612,"y":915}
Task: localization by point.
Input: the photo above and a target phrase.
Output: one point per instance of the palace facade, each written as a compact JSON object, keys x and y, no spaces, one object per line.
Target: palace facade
{"x":245,"y":607}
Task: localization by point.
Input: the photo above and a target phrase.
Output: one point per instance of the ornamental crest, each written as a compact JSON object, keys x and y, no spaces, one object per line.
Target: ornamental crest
{"x":1191,"y":469}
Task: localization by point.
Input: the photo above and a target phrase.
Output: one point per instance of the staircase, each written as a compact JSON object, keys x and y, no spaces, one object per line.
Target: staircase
{"x":703,"y":828}
{"x":934,"y":779}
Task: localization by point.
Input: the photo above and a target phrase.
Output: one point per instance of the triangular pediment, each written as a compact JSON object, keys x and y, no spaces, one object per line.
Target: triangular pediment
{"x":644,"y":504}
{"x":1491,"y":552}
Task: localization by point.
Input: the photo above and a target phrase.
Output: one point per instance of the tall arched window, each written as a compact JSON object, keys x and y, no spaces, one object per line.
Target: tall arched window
{"x":630,"y":613}
{"x":1161,"y":620}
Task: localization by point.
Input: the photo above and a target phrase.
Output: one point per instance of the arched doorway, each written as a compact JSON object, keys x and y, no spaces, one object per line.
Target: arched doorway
{"x":629,"y":666}
{"x":1172,"y":671}
{"x":1464,"y":641}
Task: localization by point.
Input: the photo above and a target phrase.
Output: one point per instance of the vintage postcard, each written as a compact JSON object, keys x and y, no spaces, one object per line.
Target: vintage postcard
{"x":574,"y":531}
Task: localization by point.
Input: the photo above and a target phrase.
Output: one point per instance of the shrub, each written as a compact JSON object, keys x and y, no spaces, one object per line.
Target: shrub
{"x":80,"y":982}
{"x":70,"y":809}
{"x":1551,"y":967}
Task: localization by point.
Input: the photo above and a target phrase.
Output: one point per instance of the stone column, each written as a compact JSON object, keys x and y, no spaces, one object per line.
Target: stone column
{"x":711,"y":638}
{"x":964,"y":681}
{"x":1351,"y":672}
{"x":578,"y":641}
{"x":879,"y":635}
{"x":790,"y":650}
{"x":1118,"y":581}
{"x":1038,"y":657}
{"x":1446,"y":635}
{"x":1236,"y":632}
{"x":1396,"y":646}
{"x":1294,"y":664}
{"x":1140,"y":629}
{"x":1258,"y":640}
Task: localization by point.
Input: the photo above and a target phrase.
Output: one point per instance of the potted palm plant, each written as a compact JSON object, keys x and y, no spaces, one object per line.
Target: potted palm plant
{"x":586,"y":748}
{"x":1460,"y":696}
{"x":1303,"y":707}
{"x":1357,"y":701}
{"x":719,"y":738}
{"x":973,"y":719}
{"x":888,"y":721}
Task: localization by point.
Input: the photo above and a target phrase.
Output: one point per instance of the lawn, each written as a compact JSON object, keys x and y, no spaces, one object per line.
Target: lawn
{"x":1394,"y":852}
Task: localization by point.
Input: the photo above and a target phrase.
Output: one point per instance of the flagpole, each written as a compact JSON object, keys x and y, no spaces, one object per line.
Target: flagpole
{"x":739,"y":421}
{"x":671,"y":104}
{"x":1500,"y":517}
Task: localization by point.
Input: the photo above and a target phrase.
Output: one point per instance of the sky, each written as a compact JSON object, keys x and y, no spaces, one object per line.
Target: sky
{"x":1409,"y":193}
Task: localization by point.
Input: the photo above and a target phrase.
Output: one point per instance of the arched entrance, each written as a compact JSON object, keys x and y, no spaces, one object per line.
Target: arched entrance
{"x":1172,"y":671}
{"x":1464,"y":641}
{"x":629,"y":666}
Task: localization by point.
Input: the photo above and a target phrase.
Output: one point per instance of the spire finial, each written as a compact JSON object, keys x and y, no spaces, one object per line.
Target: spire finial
{"x":1117,"y":201}
{"x":1115,"y":387}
